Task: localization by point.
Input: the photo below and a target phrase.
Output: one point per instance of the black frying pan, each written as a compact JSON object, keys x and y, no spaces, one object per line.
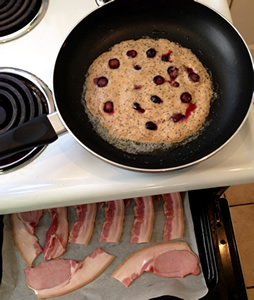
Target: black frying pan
{"x":216,"y":43}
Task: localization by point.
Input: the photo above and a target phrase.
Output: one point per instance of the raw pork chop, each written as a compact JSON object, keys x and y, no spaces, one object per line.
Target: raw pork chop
{"x":169,"y":259}
{"x":61,"y":276}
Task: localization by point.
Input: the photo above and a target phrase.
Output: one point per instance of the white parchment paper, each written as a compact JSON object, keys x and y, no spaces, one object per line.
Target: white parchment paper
{"x":104,"y":287}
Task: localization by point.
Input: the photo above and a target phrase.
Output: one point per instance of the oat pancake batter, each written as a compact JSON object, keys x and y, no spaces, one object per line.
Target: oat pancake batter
{"x":146,"y":93}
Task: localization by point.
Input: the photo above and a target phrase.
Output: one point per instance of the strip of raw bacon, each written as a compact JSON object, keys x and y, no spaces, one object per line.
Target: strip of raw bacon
{"x":173,"y":209}
{"x":60,"y":276}
{"x":143,"y":223}
{"x":169,"y":259}
{"x":23,"y":225}
{"x":82,"y":230}
{"x":57,"y":235}
{"x":113,"y":225}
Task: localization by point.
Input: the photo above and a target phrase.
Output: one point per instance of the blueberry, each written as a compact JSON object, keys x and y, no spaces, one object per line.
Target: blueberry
{"x":151,"y":126}
{"x":137,"y":67}
{"x":108,"y":107}
{"x":173,"y":72}
{"x":158,"y":80}
{"x":114,"y":63}
{"x":137,"y":107}
{"x":132,"y":53}
{"x":194,"y":77}
{"x":177,"y":117}
{"x":166,"y":57}
{"x":156,"y":99}
{"x":175,"y":84}
{"x":101,"y":81}
{"x":151,"y":53}
{"x":185,"y":97}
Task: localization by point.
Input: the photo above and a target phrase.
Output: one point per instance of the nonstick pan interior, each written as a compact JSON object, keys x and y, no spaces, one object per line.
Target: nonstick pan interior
{"x":216,"y":43}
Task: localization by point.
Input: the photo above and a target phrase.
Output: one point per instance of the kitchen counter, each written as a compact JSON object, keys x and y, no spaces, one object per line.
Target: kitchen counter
{"x":66,"y":174}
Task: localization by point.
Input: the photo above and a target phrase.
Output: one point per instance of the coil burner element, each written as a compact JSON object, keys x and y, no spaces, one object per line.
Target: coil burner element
{"x":18,"y":17}
{"x":22,"y":98}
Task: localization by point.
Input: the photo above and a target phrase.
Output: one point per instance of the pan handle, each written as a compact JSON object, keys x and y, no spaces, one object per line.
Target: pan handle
{"x":37,"y":132}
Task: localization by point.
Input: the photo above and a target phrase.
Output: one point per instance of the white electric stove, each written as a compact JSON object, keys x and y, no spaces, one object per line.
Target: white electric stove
{"x":64,"y":173}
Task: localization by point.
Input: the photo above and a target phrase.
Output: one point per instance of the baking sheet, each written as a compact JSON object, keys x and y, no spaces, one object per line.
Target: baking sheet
{"x":145,"y":287}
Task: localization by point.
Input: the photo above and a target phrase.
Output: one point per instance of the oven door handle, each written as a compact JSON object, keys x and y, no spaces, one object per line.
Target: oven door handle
{"x":40,"y":131}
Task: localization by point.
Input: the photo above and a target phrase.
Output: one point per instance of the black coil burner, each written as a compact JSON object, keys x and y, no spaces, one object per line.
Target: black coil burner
{"x":16,"y":14}
{"x":21,"y":100}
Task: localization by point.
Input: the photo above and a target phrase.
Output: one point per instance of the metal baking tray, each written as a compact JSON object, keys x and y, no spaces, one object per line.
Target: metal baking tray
{"x":216,"y":244}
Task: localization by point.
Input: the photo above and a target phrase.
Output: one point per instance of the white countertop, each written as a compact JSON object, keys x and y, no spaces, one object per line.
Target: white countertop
{"x":66,"y":174}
